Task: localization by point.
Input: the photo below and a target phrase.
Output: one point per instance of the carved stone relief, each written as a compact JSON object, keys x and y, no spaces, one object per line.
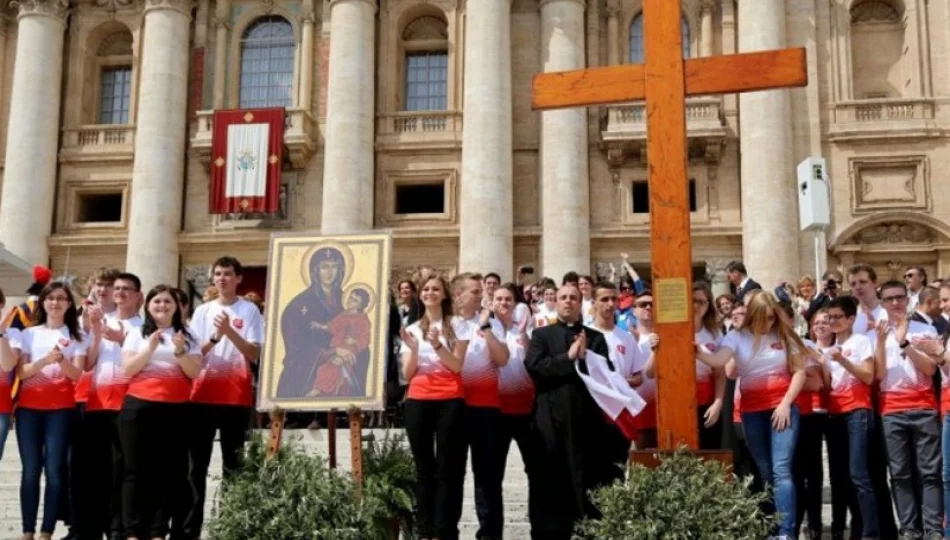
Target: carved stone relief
{"x":874,"y":11}
{"x":896,"y":233}
{"x":199,"y":276}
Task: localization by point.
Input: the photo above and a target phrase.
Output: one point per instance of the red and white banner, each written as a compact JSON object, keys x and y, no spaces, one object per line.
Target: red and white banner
{"x":612,"y":393}
{"x":246,"y":157}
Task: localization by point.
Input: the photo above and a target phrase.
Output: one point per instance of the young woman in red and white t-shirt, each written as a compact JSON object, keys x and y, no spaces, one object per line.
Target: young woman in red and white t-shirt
{"x":710,"y":382}
{"x":161,"y":358}
{"x":435,"y":410}
{"x":50,"y":357}
{"x":769,"y":360}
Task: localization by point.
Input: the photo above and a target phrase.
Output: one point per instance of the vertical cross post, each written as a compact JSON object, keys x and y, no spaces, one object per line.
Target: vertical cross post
{"x":670,"y":244}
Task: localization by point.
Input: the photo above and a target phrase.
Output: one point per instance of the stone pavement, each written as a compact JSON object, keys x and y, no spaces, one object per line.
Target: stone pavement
{"x":515,"y":487}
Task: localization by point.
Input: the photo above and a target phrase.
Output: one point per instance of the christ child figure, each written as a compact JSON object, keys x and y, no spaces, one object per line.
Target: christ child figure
{"x":351,"y":335}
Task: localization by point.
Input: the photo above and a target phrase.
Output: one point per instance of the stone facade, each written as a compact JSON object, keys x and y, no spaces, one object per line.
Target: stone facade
{"x":508,"y":185}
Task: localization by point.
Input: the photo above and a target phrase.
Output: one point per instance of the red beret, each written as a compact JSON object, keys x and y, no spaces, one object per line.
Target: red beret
{"x":42,"y":275}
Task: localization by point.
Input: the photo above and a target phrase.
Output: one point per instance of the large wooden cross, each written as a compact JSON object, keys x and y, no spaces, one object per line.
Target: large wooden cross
{"x":665,"y":81}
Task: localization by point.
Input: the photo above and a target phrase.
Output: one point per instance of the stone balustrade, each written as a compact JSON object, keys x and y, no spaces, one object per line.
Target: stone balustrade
{"x":419,"y":129}
{"x":883,"y":118}
{"x":98,"y":142}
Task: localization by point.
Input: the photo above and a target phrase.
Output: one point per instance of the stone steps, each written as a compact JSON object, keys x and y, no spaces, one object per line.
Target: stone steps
{"x":515,"y":486}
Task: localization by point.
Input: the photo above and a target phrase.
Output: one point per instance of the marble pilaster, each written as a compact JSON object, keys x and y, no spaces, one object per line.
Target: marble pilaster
{"x":222,"y":26}
{"x":32,"y":138}
{"x":485,"y":201}
{"x":769,"y":202}
{"x":159,"y":168}
{"x":348,"y":173}
{"x":565,"y":193}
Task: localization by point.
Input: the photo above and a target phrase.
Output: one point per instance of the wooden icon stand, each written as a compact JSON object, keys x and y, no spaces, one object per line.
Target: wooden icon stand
{"x":279,"y":416}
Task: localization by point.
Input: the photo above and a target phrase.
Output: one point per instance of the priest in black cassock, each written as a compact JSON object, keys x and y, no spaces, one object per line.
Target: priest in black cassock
{"x":578,"y":448}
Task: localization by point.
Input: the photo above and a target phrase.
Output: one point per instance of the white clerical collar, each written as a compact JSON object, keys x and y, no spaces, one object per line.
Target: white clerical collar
{"x":925,"y":317}
{"x":744,"y":281}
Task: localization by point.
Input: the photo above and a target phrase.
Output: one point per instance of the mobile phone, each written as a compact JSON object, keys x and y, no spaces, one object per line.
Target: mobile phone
{"x":527,"y":269}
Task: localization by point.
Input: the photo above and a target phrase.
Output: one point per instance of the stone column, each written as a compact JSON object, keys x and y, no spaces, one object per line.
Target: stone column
{"x":769,"y":203}
{"x":348,"y":152}
{"x":485,"y":195}
{"x":613,"y":32}
{"x":29,"y":177}
{"x":565,"y":193}
{"x":306,"y":57}
{"x":222,"y":24}
{"x":706,"y":28}
{"x":716,"y":270}
{"x":158,"y":173}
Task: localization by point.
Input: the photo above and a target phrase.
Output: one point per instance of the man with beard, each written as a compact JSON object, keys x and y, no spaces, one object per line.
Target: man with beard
{"x":578,"y":449}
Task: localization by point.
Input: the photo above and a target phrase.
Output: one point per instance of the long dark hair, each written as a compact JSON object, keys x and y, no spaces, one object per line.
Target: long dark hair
{"x":70,"y":318}
{"x":710,"y":319}
{"x":150,"y":326}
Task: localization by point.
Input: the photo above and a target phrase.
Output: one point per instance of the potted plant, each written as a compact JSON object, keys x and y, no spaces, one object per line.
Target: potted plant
{"x":293,"y":496}
{"x":389,"y":474}
{"x":685,"y":497}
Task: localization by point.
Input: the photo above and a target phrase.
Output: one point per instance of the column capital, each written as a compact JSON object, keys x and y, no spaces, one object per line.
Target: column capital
{"x":54,"y":9}
{"x":182,"y":6}
{"x":372,"y":3}
{"x":708,"y":6}
{"x":613,"y":8}
{"x":582,"y":3}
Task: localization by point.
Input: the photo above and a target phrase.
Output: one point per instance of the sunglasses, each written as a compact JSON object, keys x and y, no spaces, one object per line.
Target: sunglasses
{"x":644,"y":305}
{"x":891,"y":299}
{"x":909,"y":275}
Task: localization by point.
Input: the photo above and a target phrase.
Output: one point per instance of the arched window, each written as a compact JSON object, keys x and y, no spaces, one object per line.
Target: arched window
{"x":426,"y":45}
{"x":267,"y":64}
{"x":114,"y":56}
{"x":877,"y":45}
{"x":636,"y":39}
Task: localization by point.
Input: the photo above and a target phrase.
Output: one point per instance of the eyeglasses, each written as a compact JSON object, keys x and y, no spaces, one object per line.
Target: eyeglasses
{"x":644,"y":305}
{"x":53,"y":299}
{"x":909,"y":275}
{"x":700,"y":302}
{"x":626,"y":288}
{"x":893,"y":299}
{"x":835,"y":317}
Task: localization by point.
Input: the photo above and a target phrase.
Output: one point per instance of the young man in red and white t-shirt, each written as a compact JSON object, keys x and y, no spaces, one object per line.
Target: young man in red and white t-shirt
{"x":100,"y":498}
{"x":231,"y":331}
{"x":487,"y":352}
{"x":911,"y":419}
{"x":848,"y":370}
{"x":646,"y":420}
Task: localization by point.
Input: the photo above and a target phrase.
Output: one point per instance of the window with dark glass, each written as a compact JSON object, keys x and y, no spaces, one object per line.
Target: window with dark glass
{"x":641,"y":197}
{"x":636,"y":39}
{"x":427,"y":80}
{"x":267,"y":64}
{"x":420,"y":198}
{"x":99,"y":208}
{"x":115,"y":93}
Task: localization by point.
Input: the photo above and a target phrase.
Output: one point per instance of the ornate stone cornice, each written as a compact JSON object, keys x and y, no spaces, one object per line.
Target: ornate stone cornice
{"x":115,"y":5}
{"x":55,"y":9}
{"x":613,"y":8}
{"x":183,"y":6}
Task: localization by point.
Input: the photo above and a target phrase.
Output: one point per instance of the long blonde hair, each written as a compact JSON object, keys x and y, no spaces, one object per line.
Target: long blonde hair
{"x":757,"y":323}
{"x":447,"y":311}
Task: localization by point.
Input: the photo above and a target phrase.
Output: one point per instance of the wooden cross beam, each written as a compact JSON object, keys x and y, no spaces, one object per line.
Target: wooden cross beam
{"x":664,"y":81}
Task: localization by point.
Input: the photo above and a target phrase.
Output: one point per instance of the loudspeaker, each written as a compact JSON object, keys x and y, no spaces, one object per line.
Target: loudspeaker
{"x":814,"y":205}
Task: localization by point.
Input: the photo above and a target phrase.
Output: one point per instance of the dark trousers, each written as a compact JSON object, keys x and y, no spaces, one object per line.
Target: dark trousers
{"x":204,"y":421}
{"x":517,"y":428}
{"x":913,"y":444}
{"x":843,"y":498}
{"x":153,"y":447}
{"x":848,"y":443}
{"x":100,"y":499}
{"x":807,"y":471}
{"x":43,"y":441}
{"x":69,"y":511}
{"x":436,"y":431}
{"x":483,"y":425}
{"x":710,"y":438}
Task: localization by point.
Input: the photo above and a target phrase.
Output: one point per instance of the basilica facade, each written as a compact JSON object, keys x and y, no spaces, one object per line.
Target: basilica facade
{"x":414,"y":116}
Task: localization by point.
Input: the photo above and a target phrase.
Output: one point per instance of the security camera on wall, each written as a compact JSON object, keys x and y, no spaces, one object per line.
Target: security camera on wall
{"x":814,"y":207}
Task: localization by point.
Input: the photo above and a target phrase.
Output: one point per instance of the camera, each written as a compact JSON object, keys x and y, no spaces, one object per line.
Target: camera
{"x":831,"y":284}
{"x":527,"y":270}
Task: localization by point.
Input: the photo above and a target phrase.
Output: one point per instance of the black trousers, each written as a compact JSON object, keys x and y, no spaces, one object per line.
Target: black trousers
{"x":99,"y":500}
{"x":72,"y":481}
{"x":517,"y":428}
{"x":153,"y":447}
{"x":482,"y":437}
{"x":204,"y":421}
{"x":808,"y":472}
{"x":710,"y":438}
{"x":437,"y":437}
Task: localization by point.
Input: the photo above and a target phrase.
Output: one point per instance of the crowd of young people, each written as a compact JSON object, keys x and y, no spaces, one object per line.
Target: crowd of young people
{"x":117,"y":399}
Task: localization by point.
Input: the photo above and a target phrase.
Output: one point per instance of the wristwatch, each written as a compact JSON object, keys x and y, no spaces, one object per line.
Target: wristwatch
{"x":214,"y":341}
{"x":486,"y":326}
{"x":904,"y":344}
